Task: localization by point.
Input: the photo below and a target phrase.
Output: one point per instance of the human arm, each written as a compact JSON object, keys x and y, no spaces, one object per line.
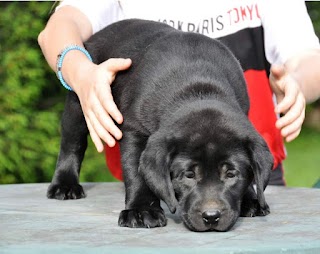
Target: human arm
{"x":295,"y":83}
{"x":91,"y":82}
{"x":292,"y":48}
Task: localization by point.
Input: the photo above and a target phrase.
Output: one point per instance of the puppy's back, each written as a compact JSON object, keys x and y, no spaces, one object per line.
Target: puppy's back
{"x":126,"y":38}
{"x":165,"y":61}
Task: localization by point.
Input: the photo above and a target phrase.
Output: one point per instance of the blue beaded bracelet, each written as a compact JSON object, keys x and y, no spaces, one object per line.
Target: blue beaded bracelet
{"x":60,"y":61}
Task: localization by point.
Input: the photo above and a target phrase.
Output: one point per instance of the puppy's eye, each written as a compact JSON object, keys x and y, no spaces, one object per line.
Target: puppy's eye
{"x":230,"y":174}
{"x":190,"y":174}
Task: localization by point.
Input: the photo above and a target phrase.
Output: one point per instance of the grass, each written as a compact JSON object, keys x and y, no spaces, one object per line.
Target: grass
{"x":302,"y":166}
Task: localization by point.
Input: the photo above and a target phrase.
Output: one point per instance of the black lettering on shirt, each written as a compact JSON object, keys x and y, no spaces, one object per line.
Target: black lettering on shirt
{"x":219,"y":22}
{"x":205,"y":26}
{"x":191,"y":27}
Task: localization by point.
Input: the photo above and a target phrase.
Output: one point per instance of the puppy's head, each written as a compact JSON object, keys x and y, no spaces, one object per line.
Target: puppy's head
{"x":203,"y":169}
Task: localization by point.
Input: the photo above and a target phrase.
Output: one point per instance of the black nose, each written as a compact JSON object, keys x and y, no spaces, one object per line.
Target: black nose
{"x":211,"y":216}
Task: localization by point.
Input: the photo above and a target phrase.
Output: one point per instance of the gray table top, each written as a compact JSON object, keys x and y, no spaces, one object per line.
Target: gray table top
{"x":31,"y":223}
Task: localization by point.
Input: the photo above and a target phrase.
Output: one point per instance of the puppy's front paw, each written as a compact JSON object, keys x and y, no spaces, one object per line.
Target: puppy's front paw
{"x":142,"y":218}
{"x":62,"y":192}
{"x":251,"y":208}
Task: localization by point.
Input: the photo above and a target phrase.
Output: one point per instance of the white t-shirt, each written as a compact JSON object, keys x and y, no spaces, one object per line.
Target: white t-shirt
{"x":286,"y":31}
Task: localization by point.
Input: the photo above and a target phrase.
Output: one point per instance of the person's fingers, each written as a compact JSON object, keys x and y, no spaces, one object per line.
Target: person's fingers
{"x":100,"y":131}
{"x":293,"y":127}
{"x":294,"y":113}
{"x":291,"y":123}
{"x":106,"y":100}
{"x":94,"y":137}
{"x":112,"y":66}
{"x":106,"y":121}
{"x":293,"y":136}
{"x":113,"y":110}
{"x":285,"y":103}
{"x":292,"y":130}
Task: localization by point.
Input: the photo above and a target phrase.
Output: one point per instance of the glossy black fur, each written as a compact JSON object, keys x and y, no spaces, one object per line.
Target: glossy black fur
{"x":187,"y":139}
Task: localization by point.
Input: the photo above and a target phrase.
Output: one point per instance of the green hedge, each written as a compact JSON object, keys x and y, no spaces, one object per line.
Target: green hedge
{"x":29,"y":116}
{"x":31,"y":100}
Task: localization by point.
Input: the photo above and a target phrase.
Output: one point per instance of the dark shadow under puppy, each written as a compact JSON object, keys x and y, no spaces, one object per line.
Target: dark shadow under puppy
{"x":186,"y":139}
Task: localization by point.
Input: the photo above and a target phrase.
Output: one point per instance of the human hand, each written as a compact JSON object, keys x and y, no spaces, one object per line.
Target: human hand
{"x":291,"y":102}
{"x":98,"y":106}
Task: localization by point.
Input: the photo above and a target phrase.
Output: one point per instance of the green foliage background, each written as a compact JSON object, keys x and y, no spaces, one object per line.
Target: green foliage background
{"x":31,"y":100}
{"x":29,"y":115}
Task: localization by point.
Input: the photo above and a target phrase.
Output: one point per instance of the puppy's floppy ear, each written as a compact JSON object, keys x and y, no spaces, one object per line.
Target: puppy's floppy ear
{"x":154,"y":168}
{"x":262,"y":163}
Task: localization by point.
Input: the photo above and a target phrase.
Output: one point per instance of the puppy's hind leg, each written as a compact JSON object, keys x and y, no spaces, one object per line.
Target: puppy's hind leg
{"x":143,"y":208}
{"x":65,"y":182}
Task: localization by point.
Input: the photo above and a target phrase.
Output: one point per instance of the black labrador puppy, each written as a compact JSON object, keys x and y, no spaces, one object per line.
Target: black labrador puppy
{"x":187,"y":138}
